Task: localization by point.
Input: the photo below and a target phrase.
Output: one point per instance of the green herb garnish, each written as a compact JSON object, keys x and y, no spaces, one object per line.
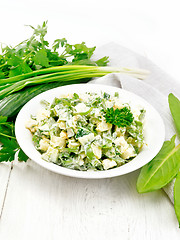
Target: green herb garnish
{"x":162,"y":169}
{"x":119,"y":117}
{"x":9,"y":145}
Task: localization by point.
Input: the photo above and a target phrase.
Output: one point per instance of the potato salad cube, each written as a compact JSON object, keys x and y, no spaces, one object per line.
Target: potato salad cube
{"x":86,"y":138}
{"x":51,"y":155}
{"x":97,"y":151}
{"x":103,"y":126}
{"x":44,"y":144}
{"x":42,"y":114}
{"x":81,"y":107}
{"x":118,"y":104}
{"x":31,"y":124}
{"x":129,"y":152}
{"x":107,"y":163}
{"x":58,"y":141}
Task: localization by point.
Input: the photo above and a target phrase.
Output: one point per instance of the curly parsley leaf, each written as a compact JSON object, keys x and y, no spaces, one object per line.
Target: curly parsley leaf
{"x":119,"y":117}
{"x":9,"y":146}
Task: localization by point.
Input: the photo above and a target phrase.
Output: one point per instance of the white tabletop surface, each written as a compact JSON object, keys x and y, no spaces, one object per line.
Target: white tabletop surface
{"x":38,"y":204}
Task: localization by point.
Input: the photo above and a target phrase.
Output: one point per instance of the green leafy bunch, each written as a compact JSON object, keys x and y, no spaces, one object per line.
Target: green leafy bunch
{"x":9,"y":145}
{"x":36,"y":53}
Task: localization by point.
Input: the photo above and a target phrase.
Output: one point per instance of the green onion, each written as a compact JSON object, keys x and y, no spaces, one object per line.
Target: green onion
{"x":16,"y":91}
{"x":55,"y":74}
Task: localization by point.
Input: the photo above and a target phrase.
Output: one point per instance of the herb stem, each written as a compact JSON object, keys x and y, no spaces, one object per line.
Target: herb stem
{"x":5,"y":135}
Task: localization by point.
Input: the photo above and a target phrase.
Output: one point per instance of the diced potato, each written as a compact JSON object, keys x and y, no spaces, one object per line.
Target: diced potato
{"x":62,"y":113}
{"x":84,"y":97}
{"x":129,"y":152}
{"x":44,"y":144}
{"x":44,"y":127}
{"x":58,"y":141}
{"x":51,"y":155}
{"x":42,"y":114}
{"x":97,"y":112}
{"x":82,"y":155}
{"x":86,"y":138}
{"x":81,"y":107}
{"x":63,"y":134}
{"x":136,"y":113}
{"x":31,"y":125}
{"x":120,"y":141}
{"x":61,"y":124}
{"x":97,"y":151}
{"x":120,"y":131}
{"x":118,"y":104}
{"x":109,"y":104}
{"x":81,"y":162}
{"x":70,"y":132}
{"x":73,"y":143}
{"x":74,"y":121}
{"x":110,"y":153}
{"x":103,"y":126}
{"x":108,"y":163}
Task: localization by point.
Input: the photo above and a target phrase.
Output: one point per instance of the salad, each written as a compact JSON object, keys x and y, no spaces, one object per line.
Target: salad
{"x":88,"y":131}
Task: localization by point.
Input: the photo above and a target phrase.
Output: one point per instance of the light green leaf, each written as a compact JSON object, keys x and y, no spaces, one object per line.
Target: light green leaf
{"x":41,"y":58}
{"x":174,"y":105}
{"x":177,"y":197}
{"x":162,"y":169}
{"x":18,"y":66}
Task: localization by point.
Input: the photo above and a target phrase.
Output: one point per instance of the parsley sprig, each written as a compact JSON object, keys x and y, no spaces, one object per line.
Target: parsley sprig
{"x":119,"y":117}
{"x":9,"y":145}
{"x":36,"y":53}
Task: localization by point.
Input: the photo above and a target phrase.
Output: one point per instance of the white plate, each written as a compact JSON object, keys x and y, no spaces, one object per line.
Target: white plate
{"x":154,"y":130}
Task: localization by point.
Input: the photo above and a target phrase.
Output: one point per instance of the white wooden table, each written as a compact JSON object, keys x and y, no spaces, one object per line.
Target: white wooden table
{"x":38,"y":204}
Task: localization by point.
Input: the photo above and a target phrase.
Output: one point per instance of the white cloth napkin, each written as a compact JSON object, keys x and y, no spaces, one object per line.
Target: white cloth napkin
{"x":154,"y":89}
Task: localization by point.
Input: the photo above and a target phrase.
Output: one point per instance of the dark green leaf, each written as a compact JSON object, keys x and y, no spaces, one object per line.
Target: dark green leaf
{"x":162,"y":169}
{"x":7,"y":154}
{"x":9,"y":145}
{"x":22,"y":157}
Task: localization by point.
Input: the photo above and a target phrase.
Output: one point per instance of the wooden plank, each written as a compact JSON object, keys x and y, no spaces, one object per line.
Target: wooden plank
{"x":43,"y":205}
